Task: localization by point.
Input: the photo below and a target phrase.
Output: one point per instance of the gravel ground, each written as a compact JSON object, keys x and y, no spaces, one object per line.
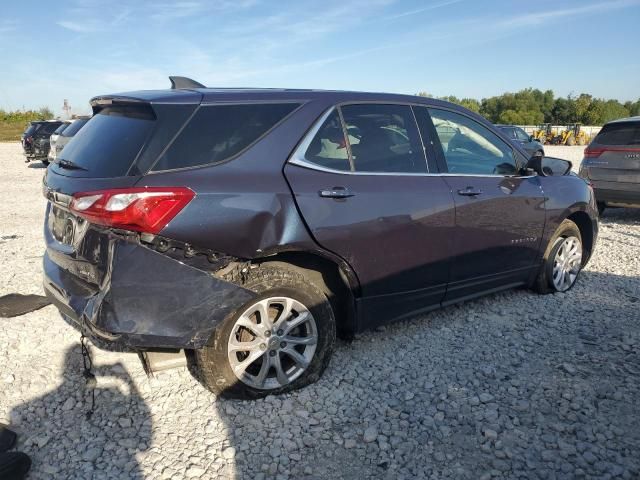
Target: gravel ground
{"x":515,"y":385}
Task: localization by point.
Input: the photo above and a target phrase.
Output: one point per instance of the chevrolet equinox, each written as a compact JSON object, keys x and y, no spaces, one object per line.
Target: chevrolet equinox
{"x":246,"y":228}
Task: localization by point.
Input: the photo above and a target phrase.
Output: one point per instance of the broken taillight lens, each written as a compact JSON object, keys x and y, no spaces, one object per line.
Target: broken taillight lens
{"x":137,"y":209}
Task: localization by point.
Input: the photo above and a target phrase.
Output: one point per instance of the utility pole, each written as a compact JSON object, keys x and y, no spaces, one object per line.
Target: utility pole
{"x":66,"y":108}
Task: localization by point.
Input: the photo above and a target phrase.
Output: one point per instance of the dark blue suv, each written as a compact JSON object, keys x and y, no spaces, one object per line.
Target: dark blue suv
{"x":246,"y":227}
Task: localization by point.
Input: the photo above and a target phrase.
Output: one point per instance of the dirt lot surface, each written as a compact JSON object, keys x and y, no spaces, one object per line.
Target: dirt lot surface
{"x":515,"y":385}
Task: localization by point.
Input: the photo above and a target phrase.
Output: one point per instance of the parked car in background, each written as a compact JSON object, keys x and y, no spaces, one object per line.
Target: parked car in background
{"x":246,"y":227}
{"x":52,"y":142}
{"x":530,"y":144}
{"x":35,"y":139}
{"x":612,"y":164}
{"x":67,"y":134}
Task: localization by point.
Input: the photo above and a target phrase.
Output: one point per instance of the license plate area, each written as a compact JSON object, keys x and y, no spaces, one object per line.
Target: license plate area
{"x":65,"y":227}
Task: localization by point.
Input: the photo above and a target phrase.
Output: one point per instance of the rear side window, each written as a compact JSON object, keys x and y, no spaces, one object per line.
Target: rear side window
{"x":624,"y":133}
{"x":60,"y":129}
{"x":218,"y":132}
{"x":109,"y":143}
{"x":72,"y":129}
{"x":384,"y":138}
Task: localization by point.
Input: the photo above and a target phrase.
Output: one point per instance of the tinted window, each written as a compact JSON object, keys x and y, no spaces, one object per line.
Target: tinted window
{"x":110,"y":142}
{"x":72,"y":129}
{"x":384,"y":138}
{"x":329,"y":146}
{"x":216,"y":133}
{"x":60,"y":129}
{"x":521,"y":134}
{"x":471,"y":148}
{"x":624,"y":133}
{"x":48,"y":128}
{"x":31,"y":129}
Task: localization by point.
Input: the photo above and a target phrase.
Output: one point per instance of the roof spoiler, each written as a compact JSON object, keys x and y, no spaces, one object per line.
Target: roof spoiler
{"x":184,"y":82}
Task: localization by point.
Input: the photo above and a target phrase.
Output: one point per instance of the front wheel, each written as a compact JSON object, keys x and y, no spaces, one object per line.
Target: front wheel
{"x":277,"y":342}
{"x":562,"y":261}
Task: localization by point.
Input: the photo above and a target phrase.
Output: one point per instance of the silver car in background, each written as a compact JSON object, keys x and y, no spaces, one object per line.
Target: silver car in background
{"x":612,"y":164}
{"x":52,"y":142}
{"x":65,"y":136}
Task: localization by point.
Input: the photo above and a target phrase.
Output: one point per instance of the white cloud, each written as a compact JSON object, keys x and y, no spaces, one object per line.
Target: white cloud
{"x":422,"y":10}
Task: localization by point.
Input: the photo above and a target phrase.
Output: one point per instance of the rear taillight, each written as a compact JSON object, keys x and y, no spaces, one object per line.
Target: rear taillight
{"x":137,"y":209}
{"x":595,"y":152}
{"x":591,"y":152}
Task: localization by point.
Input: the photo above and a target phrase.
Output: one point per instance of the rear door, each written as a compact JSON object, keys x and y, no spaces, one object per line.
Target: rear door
{"x":369,"y":198}
{"x":500,"y":214}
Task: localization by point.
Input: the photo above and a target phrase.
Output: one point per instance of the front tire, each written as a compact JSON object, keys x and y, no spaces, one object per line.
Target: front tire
{"x":277,"y":342}
{"x":562,"y":261}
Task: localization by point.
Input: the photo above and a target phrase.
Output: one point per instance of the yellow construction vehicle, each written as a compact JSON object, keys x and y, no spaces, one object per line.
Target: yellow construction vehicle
{"x":543,"y":134}
{"x":572,"y":135}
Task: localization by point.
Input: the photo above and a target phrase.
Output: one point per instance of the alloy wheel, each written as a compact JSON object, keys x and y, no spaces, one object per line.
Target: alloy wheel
{"x":272,"y":343}
{"x":567,"y":263}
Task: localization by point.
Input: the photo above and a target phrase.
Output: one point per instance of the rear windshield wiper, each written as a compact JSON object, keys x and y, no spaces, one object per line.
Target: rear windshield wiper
{"x":69,"y":165}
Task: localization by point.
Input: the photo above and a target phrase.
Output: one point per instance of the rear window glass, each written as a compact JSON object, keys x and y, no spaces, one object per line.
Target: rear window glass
{"x":31,"y":129}
{"x":625,"y":133}
{"x":109,"y":143}
{"x":218,"y":132}
{"x":49,"y":128}
{"x":73,"y":128}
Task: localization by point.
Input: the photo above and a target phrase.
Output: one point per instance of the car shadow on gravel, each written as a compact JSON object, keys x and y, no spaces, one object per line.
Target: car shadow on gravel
{"x":65,"y":441}
{"x":514,"y":385}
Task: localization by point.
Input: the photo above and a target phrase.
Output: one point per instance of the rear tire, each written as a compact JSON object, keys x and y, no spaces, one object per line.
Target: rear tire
{"x":546,"y":280}
{"x":277,"y":367}
{"x":601,"y":208}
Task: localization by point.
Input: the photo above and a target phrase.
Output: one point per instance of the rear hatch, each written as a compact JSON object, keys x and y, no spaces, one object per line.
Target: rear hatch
{"x":110,"y":154}
{"x":614,"y":155}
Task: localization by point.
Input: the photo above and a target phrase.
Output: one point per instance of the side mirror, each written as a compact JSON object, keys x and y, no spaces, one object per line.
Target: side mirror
{"x":531,"y":139}
{"x":535,"y":165}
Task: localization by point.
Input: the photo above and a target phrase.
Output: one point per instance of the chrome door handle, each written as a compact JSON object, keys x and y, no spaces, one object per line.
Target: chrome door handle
{"x":336,"y":192}
{"x":469,"y":192}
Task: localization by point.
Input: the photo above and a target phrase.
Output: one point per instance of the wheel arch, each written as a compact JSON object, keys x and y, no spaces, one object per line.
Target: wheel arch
{"x":585,"y":225}
{"x":335,"y":278}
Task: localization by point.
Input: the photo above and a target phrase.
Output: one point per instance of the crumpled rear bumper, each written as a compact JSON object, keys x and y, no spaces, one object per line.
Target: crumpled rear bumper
{"x":145,"y":300}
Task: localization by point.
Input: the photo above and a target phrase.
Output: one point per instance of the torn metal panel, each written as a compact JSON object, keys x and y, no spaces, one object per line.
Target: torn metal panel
{"x":145,"y":298}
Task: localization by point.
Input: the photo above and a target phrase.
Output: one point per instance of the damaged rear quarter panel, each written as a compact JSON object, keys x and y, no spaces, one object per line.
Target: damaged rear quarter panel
{"x":244,"y":207}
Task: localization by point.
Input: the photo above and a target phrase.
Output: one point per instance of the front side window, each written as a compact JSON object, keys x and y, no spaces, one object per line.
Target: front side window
{"x":218,"y":132}
{"x":469,"y":147}
{"x":384,"y":138}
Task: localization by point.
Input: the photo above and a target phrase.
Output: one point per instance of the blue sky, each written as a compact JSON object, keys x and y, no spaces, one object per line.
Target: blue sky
{"x":469,"y":48}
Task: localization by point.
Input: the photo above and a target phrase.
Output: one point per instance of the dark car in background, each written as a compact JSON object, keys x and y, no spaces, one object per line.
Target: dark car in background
{"x":247,"y":227}
{"x":612,"y":164}
{"x":65,"y":135}
{"x":35,"y":139}
{"x":527,"y":142}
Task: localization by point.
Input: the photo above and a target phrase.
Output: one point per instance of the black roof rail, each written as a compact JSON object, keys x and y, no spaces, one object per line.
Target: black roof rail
{"x":184,"y":82}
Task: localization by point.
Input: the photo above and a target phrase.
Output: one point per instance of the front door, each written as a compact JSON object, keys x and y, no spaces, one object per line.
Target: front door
{"x":500,"y":214}
{"x":367,"y":197}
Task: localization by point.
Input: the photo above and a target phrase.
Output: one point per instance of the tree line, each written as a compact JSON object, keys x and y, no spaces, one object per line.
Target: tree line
{"x":13,"y":123}
{"x":532,"y":107}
